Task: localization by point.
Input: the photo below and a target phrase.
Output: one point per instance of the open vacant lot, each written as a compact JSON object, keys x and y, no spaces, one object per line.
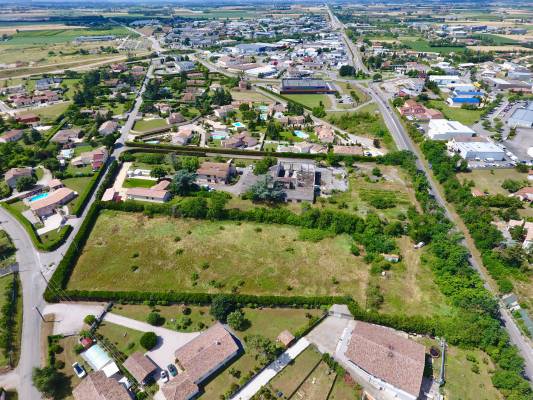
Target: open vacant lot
{"x":310,"y":100}
{"x":491,"y":180}
{"x":163,"y":253}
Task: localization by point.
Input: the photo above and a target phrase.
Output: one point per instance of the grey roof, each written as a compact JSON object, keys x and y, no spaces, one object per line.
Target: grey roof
{"x":523,"y":115}
{"x":304,"y":83}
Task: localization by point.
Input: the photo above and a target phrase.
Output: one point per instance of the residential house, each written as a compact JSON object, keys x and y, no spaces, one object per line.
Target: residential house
{"x":241,"y":140}
{"x":140,"y":367}
{"x":388,"y":360}
{"x":11,"y":136}
{"x":524,"y":194}
{"x":28,"y":119}
{"x":150,"y":194}
{"x":223,"y":111}
{"x":412,"y":109}
{"x":96,"y":158}
{"x":108,"y":128}
{"x":214,"y":172}
{"x":55,"y":184}
{"x":180,"y":388}
{"x":325,"y":134}
{"x":14,"y":174}
{"x":204,"y":355}
{"x":65,"y":136}
{"x":96,"y":386}
{"x":47,"y":205}
{"x":183,"y":136}
{"x":175,"y":118}
{"x":528,"y":227}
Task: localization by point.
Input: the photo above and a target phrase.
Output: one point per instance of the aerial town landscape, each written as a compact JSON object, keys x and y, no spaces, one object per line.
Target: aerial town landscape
{"x":244,"y":200}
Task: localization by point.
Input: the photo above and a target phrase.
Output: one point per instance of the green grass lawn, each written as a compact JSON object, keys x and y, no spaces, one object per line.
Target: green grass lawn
{"x":310,"y":100}
{"x":79,"y":185}
{"x":422,"y":45}
{"x":7,"y":255}
{"x":125,"y":339}
{"x":266,"y":322}
{"x":467,"y":117}
{"x":235,"y":254}
{"x":146,"y":125}
{"x":49,"y":113}
{"x":490,"y":180}
{"x":138,"y":183}
{"x":344,"y":388}
{"x":288,"y":380}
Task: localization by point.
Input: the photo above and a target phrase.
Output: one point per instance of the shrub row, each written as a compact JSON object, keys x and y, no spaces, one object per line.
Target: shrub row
{"x":87,"y":192}
{"x":188,"y":150}
{"x":8,"y":317}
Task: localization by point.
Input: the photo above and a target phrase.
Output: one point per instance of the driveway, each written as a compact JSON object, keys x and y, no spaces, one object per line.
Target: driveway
{"x":327,"y":334}
{"x":68,"y":317}
{"x":169,"y":340}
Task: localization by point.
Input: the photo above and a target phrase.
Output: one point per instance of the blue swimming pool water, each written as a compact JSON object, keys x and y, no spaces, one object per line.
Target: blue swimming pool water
{"x":238,"y":125}
{"x":39,"y":196}
{"x":301,"y":135}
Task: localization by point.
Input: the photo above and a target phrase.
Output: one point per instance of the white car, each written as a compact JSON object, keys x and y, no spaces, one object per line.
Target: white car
{"x":79,"y":370}
{"x":164,"y":376}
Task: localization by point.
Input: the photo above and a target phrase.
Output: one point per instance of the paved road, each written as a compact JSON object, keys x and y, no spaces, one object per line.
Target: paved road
{"x":357,"y":60}
{"x":32,"y":263}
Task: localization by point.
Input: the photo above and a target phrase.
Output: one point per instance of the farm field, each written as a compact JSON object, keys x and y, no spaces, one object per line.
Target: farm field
{"x":51,"y":36}
{"x":310,"y":100}
{"x":200,"y":256}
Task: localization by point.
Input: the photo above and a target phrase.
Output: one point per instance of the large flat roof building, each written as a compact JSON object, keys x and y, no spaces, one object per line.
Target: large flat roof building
{"x":522,"y":117}
{"x":477,"y":148}
{"x":442,"y":129}
{"x":303,"y":86}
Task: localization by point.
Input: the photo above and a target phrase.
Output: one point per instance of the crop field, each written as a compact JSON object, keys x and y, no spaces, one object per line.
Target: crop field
{"x":203,"y":256}
{"x":50,"y":36}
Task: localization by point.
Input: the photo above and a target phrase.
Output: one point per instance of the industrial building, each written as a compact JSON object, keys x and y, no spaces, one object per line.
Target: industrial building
{"x":442,"y":129}
{"x":476,"y":148}
{"x":522,"y":117}
{"x":305,"y":86}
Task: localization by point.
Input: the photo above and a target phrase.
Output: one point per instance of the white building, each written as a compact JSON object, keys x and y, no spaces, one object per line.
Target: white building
{"x":445,"y":80}
{"x":442,"y":129}
{"x":476,"y":148}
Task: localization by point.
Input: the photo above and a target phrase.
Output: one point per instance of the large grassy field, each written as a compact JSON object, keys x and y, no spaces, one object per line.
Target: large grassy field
{"x":423,"y":45}
{"x":310,"y":100}
{"x":133,"y":252}
{"x":491,"y":180}
{"x":49,"y":113}
{"x":467,"y":117}
{"x":146,"y":125}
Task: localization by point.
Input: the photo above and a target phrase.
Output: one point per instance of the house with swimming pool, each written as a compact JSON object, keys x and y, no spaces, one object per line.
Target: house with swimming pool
{"x":45,"y":204}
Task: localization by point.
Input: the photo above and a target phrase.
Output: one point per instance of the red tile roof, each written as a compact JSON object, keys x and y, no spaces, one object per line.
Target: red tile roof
{"x":385,"y":354}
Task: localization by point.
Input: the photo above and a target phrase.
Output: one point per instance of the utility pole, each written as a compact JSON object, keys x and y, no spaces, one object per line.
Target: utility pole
{"x":40,"y":314}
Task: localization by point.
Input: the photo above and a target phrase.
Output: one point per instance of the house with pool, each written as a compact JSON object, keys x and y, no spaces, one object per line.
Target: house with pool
{"x":45,"y":204}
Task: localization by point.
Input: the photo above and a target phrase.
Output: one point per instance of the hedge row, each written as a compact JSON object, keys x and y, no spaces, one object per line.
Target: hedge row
{"x":87,"y":193}
{"x":32,"y":232}
{"x":204,"y":151}
{"x":206,"y":298}
{"x":8,"y":318}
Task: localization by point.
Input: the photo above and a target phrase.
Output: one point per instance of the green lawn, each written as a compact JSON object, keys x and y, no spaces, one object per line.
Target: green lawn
{"x":310,"y":100}
{"x":7,"y":255}
{"x":125,"y":339}
{"x":422,"y":45}
{"x":288,"y":380}
{"x":49,"y":113}
{"x":146,"y":125}
{"x":467,"y":117}
{"x":134,"y":252}
{"x":138,"y":183}
{"x":344,"y":388}
{"x":79,"y":185}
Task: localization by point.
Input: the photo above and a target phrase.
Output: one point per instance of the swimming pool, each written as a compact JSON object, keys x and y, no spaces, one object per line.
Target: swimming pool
{"x":39,"y":196}
{"x":238,"y":125}
{"x":219,"y":135}
{"x":301,"y":135}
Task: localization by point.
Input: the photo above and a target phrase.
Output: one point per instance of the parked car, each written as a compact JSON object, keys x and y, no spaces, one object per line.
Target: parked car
{"x":164,"y":376}
{"x":79,"y":370}
{"x":172,"y":369}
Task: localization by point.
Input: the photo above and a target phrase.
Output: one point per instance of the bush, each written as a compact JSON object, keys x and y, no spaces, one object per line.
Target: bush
{"x":148,"y":340}
{"x":236,"y":320}
{"x":222,"y":306}
{"x":155,"y":319}
{"x":89,"y":319}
